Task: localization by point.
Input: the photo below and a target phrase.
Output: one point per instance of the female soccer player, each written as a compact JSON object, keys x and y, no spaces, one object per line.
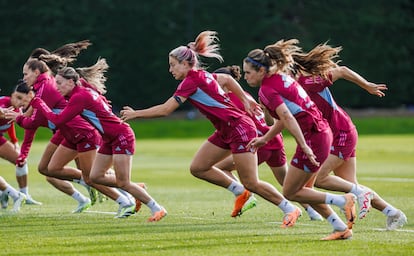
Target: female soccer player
{"x":273,"y":153}
{"x":286,"y":101}
{"x":234,"y":129}
{"x":10,"y":150}
{"x":79,"y":140}
{"x":69,"y":52}
{"x":316,"y":71}
{"x":118,"y":138}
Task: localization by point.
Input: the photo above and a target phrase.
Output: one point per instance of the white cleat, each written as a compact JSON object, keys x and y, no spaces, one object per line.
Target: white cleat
{"x":397,"y":221}
{"x":18,"y":202}
{"x":364,"y":202}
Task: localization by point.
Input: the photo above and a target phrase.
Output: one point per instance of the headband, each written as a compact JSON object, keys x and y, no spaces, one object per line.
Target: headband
{"x":256,"y":62}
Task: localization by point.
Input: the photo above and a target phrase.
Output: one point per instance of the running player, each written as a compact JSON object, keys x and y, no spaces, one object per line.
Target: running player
{"x":118,"y":144}
{"x":316,"y":71}
{"x":234,"y":129}
{"x":286,"y":101}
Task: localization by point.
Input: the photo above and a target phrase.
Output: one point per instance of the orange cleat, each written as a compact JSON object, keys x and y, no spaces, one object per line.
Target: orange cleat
{"x":290,"y":218}
{"x":239,"y":203}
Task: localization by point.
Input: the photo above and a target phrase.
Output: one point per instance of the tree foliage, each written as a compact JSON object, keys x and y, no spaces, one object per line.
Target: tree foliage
{"x":136,"y":36}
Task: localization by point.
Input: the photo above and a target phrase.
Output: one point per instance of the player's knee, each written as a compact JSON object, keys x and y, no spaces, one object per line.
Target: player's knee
{"x":197,"y":171}
{"x":43,"y":170}
{"x":93,"y":177}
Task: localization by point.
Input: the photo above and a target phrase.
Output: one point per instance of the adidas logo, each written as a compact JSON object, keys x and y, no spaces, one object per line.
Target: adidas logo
{"x":241,"y":147}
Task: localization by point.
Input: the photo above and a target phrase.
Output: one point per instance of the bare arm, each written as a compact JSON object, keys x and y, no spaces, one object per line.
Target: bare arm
{"x":229,"y":83}
{"x":290,"y":123}
{"x":351,"y":76}
{"x":156,"y":111}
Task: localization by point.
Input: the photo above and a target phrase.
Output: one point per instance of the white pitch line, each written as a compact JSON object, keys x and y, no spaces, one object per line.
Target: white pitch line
{"x":101,"y":212}
{"x":398,"y":230}
{"x":387,"y":179}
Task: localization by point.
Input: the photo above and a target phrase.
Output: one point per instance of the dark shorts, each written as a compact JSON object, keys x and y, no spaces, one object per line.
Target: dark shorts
{"x":83,"y":141}
{"x":57,"y":138}
{"x":122,"y":144}
{"x":344,"y":144}
{"x":320,"y":143}
{"x":235,"y":135}
{"x":273,"y":158}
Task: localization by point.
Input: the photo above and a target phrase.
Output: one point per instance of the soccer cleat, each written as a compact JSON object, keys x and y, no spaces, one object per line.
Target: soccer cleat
{"x":157,"y":216}
{"x":102,"y":198}
{"x":126,"y":211}
{"x":250,"y":203}
{"x":4,"y":200}
{"x":83,"y":206}
{"x":397,"y":221}
{"x":93,"y":194}
{"x":18,"y":202}
{"x":290,"y":218}
{"x":339,"y":235}
{"x":349,"y":209}
{"x":30,"y":200}
{"x":239,"y":203}
{"x":138,"y":203}
{"x":364,"y":202}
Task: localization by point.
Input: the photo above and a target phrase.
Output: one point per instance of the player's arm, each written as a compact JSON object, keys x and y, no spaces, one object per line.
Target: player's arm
{"x":160,"y":110}
{"x":351,"y":76}
{"x":232,"y":85}
{"x":290,"y":123}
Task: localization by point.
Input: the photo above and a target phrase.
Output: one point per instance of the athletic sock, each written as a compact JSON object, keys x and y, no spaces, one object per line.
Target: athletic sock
{"x":356,"y":189}
{"x":236,"y":188}
{"x":13,"y":193}
{"x":389,"y":210}
{"x":154,"y":206}
{"x":286,"y":206}
{"x":79,"y":197}
{"x":25,"y":190}
{"x":338,"y":200}
{"x":336,"y":222}
{"x":123,"y":200}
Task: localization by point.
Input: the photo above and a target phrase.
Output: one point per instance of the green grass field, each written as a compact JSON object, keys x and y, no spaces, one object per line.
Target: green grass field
{"x":199,"y":221}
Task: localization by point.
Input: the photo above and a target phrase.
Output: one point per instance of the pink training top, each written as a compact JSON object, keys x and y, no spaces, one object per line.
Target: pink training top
{"x":45,"y":89}
{"x":91,"y":105}
{"x":202,"y":90}
{"x":280,"y":88}
{"x":5,"y":124}
{"x":318,"y":91}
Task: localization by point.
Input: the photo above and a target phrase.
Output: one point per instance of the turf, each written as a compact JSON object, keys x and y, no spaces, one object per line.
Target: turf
{"x":198,"y":221}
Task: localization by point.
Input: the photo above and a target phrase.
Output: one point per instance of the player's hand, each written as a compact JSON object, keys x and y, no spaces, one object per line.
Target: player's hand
{"x":127,"y":113}
{"x":11,"y":114}
{"x":310,"y":155}
{"x":256,"y":143}
{"x":376,"y":89}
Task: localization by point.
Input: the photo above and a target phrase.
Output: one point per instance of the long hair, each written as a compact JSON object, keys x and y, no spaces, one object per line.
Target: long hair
{"x":60,"y":57}
{"x":206,"y":45}
{"x":94,"y":75}
{"x":317,"y":61}
{"x":233,"y":70}
{"x":276,"y":57}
